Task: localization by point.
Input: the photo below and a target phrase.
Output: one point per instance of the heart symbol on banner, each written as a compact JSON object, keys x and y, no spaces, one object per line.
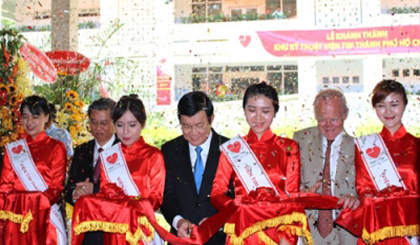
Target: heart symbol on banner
{"x":17,"y":149}
{"x":112,"y":159}
{"x":373,"y":151}
{"x":245,"y":40}
{"x":235,"y":147}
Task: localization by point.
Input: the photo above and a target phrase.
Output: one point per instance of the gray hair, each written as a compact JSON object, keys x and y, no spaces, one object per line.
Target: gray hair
{"x":330,"y":93}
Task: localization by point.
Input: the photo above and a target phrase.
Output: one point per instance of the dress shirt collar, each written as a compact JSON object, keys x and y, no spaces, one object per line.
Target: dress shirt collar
{"x":205,"y":146}
{"x":386,"y":135}
{"x":106,"y":145}
{"x":335,"y":143}
{"x":253,"y":138}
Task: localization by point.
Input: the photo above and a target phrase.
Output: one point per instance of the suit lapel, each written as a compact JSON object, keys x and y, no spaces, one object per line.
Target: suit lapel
{"x":318,"y":157}
{"x":345,"y":161}
{"x":186,"y":165}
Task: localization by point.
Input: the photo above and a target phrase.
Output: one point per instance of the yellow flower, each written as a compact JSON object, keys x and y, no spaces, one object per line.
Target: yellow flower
{"x":4,"y":141}
{"x":7,"y":124}
{"x":72,"y":95}
{"x":12,"y":88}
{"x":4,"y":87}
{"x":21,"y":96}
{"x":24,"y":85}
{"x":13,"y":100}
{"x":76,"y":117}
{"x":79,"y":104}
{"x":68,"y":106}
{"x":62,"y":119}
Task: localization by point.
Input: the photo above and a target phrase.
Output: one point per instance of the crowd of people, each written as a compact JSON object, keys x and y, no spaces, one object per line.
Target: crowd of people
{"x":321,"y":187}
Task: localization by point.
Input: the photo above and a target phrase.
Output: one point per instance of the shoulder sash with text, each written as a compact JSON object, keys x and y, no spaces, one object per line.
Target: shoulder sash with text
{"x":246,"y":165}
{"x":116,"y":170}
{"x":378,"y":162}
{"x":25,"y":168}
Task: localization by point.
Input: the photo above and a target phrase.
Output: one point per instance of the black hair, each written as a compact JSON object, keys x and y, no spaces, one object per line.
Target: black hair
{"x":134,"y":105}
{"x":102,"y":104}
{"x":262,"y":89}
{"x":385,"y":88}
{"x":53,"y":111}
{"x":36,"y":105}
{"x":193,"y":102}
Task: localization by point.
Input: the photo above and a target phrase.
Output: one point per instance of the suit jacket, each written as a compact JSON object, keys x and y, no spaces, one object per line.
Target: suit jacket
{"x":180,"y":195}
{"x":81,"y":168}
{"x":312,"y":159}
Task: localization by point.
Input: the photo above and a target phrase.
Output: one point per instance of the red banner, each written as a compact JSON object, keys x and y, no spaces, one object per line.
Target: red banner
{"x":377,"y":40}
{"x":68,"y":62}
{"x":163,"y":90}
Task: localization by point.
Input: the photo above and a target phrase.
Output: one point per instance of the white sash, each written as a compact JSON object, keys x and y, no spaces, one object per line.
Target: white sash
{"x":380,"y":166}
{"x":246,"y":165}
{"x":116,"y":170}
{"x":378,"y":162}
{"x":25,"y":168}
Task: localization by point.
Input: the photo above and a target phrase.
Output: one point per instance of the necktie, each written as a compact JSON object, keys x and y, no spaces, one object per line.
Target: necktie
{"x":198,"y":169}
{"x":325,"y":222}
{"x":97,"y":172}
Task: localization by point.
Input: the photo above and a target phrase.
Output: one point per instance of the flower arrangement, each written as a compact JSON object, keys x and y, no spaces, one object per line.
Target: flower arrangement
{"x":14,"y":85}
{"x":72,"y":117}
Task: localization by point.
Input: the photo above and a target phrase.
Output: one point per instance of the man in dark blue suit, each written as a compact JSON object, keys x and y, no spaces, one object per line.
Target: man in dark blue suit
{"x":191,"y":162}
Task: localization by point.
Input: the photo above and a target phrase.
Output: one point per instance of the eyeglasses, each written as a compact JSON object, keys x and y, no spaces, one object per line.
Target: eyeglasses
{"x":188,"y":128}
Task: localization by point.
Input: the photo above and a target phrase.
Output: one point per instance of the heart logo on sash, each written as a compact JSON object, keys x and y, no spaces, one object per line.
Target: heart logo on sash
{"x":235,"y":147}
{"x":373,"y":151}
{"x":17,"y":149}
{"x":112,"y":159}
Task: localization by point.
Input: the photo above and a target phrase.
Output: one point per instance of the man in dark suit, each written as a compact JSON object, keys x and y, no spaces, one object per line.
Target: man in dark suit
{"x":191,"y":162}
{"x":84,"y":175}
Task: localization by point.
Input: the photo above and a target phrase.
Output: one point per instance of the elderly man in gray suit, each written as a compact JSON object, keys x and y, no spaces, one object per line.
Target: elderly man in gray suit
{"x":327,"y":157}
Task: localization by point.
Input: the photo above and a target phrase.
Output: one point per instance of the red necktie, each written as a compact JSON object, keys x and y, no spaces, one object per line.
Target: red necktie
{"x":97,"y":173}
{"x":325,"y":222}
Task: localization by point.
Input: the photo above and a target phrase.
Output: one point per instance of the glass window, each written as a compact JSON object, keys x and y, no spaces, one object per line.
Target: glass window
{"x":416,"y":72}
{"x":215,"y":69}
{"x":325,"y":80}
{"x":257,"y":68}
{"x":273,"y":68}
{"x":290,"y":83}
{"x":406,"y":72}
{"x":199,"y":69}
{"x":395,"y":73}
{"x":346,"y":80}
{"x":336,"y":80}
{"x":290,"y":67}
{"x":356,"y":80}
{"x":236,"y":13}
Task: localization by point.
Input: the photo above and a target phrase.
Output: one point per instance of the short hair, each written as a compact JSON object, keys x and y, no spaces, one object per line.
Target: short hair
{"x":133,"y":104}
{"x":262,"y":89}
{"x":53,"y":111}
{"x":193,"y":102}
{"x":330,"y":93}
{"x":385,"y":88}
{"x":36,"y":105}
{"x":102,"y":104}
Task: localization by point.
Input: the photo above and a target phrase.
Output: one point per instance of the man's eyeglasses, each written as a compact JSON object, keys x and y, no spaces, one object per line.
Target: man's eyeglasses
{"x":101,"y":123}
{"x":188,"y":128}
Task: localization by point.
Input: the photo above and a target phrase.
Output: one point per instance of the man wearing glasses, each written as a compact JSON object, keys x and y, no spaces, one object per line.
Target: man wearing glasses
{"x":84,"y":175}
{"x":191,"y":162}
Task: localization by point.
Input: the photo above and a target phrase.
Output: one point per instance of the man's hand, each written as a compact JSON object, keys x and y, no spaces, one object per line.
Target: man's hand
{"x":312,"y":189}
{"x":349,"y":201}
{"x":184,"y":228}
{"x":83,"y":188}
